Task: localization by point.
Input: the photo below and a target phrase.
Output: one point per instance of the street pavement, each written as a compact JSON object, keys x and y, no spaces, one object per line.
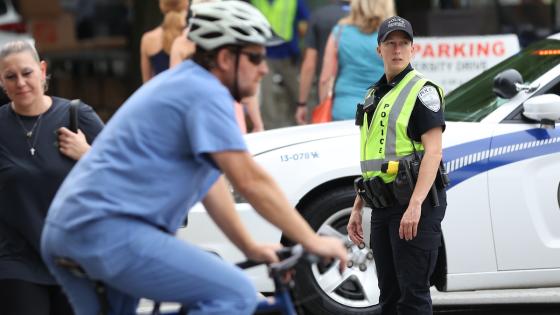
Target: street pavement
{"x":545,"y":301}
{"x":544,"y":296}
{"x":516,"y":309}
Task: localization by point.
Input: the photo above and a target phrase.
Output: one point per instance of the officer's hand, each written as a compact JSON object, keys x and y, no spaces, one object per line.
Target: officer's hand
{"x":409,"y":222}
{"x":301,"y":115}
{"x":354,"y":227}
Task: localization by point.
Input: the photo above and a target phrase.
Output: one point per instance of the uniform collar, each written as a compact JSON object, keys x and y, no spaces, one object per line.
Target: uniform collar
{"x":383,"y":80}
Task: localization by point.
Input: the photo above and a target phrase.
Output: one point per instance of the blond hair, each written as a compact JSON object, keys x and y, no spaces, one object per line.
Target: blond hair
{"x":367,"y":15}
{"x":174,"y":21}
{"x":18,"y":46}
{"x":167,"y":6}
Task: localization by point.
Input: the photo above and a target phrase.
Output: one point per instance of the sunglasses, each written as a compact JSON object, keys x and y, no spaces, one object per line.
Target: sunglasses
{"x":254,"y":57}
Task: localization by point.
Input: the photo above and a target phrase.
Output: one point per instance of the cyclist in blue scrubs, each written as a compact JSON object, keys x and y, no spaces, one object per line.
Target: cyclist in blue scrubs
{"x":163,"y":151}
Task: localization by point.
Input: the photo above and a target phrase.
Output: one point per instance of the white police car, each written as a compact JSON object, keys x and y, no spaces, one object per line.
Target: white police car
{"x":503,"y":158}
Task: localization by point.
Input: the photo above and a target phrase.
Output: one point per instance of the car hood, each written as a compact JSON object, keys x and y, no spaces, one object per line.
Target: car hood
{"x":262,"y":142}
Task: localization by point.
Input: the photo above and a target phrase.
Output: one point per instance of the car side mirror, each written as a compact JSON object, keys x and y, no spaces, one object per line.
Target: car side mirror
{"x":544,"y":109}
{"x":505,"y":83}
{"x":510,"y":82}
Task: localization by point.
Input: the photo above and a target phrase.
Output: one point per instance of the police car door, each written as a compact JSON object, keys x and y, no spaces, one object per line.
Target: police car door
{"x":524,"y":192}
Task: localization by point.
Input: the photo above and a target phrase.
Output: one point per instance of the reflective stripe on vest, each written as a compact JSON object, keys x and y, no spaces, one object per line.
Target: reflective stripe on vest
{"x":386,"y":139}
{"x":280,"y":14}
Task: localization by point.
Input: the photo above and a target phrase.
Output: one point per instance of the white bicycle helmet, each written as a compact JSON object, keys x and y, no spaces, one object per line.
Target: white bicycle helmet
{"x":215,"y":24}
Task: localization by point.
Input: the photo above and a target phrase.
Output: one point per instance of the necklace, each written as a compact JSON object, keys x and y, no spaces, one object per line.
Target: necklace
{"x":31,"y":142}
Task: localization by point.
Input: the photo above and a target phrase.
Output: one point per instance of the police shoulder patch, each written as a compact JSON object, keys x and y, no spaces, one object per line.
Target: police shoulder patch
{"x":429,"y":96}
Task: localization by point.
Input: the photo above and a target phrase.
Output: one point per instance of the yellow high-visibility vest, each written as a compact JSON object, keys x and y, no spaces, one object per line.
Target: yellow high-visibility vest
{"x":386,"y":138}
{"x":280,"y":14}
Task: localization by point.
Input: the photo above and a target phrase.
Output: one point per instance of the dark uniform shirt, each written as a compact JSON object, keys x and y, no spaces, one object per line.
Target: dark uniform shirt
{"x":28,"y":183}
{"x":422,"y":119}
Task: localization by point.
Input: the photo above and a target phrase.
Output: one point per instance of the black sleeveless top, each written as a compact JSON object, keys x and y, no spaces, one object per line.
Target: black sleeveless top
{"x":159,"y":61}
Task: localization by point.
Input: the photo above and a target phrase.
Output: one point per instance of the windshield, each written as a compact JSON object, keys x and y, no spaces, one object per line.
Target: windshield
{"x":472,"y":101}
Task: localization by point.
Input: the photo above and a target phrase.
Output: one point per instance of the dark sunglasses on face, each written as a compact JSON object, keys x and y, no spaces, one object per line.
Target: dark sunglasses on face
{"x":254,"y":57}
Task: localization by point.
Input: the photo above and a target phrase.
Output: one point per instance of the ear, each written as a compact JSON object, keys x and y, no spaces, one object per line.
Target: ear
{"x":224,"y":60}
{"x":379,"y":52}
{"x":43,"y":66}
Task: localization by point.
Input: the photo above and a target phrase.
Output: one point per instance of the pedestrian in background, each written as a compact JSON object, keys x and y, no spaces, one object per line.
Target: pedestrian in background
{"x":320,"y":26}
{"x":401,"y":120}
{"x":32,"y":168}
{"x":155,"y":45}
{"x":288,"y":19}
{"x":351,"y":62}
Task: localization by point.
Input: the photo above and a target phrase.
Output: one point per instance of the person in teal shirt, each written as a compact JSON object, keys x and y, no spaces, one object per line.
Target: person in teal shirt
{"x":351,"y":61}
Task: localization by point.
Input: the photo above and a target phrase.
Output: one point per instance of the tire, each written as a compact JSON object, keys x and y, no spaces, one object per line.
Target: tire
{"x":320,"y":290}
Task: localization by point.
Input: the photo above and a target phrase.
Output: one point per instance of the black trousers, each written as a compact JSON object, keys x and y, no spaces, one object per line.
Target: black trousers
{"x":404,"y":267}
{"x":18,"y":297}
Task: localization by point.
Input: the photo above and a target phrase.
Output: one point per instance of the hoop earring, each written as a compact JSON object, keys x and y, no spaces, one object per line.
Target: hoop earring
{"x":45,"y":84}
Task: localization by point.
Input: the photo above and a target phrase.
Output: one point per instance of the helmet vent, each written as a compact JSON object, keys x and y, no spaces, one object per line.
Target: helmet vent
{"x":212,"y":35}
{"x":228,"y":23}
{"x":240,"y":30}
{"x":208,"y":18}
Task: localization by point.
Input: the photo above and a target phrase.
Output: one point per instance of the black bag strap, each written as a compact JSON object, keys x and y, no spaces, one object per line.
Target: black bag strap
{"x":74,"y":115}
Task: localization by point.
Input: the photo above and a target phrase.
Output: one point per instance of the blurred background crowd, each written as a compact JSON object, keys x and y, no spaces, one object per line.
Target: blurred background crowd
{"x":102,"y":50}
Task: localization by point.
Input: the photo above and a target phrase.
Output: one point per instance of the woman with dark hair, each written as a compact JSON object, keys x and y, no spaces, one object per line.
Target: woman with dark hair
{"x":37,"y":150}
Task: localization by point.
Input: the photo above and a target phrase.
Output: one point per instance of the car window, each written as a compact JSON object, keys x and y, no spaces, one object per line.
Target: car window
{"x":3,"y":8}
{"x":472,"y":101}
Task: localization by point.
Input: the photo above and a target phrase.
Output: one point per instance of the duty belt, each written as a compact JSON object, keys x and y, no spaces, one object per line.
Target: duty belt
{"x":374,"y":165}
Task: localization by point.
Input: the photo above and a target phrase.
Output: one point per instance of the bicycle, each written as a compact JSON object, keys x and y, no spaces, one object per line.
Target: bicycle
{"x":279,"y":272}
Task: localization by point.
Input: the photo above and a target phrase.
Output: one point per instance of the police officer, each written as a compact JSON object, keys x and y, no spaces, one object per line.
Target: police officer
{"x":401,"y":118}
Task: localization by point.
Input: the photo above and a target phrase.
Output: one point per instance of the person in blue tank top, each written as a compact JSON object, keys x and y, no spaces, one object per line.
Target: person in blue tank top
{"x":163,"y":151}
{"x":155,"y":45}
{"x":351,"y":61}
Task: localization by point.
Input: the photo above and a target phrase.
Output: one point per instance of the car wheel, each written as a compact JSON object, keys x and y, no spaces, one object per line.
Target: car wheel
{"x":321,"y":289}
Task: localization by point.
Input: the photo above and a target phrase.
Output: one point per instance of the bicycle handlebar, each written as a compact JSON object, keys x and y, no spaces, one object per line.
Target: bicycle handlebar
{"x":289,"y":257}
{"x":249,"y":264}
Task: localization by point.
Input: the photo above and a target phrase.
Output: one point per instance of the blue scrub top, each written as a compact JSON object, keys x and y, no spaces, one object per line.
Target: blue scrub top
{"x":151,"y":162}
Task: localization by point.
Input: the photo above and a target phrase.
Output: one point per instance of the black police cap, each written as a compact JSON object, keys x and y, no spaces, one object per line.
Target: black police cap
{"x":394,"y":23}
